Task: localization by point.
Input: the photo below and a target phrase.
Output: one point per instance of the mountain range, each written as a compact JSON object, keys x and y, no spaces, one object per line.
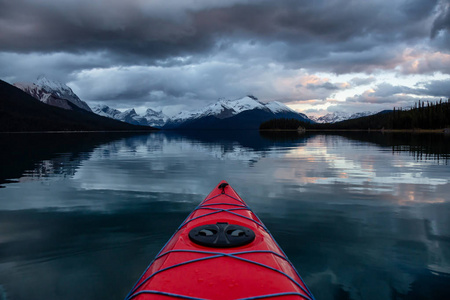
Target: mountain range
{"x":340,"y":116}
{"x":20,"y":111}
{"x":150,"y":118}
{"x":243,"y":113}
{"x":57,"y":94}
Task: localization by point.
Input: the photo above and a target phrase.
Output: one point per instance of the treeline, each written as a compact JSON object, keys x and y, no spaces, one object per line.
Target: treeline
{"x":282,"y":124}
{"x":423,"y":115}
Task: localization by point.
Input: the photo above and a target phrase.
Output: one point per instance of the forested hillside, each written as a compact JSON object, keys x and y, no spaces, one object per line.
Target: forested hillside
{"x":423,"y":115}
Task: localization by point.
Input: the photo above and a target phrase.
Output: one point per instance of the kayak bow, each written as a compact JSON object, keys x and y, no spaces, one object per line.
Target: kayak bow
{"x":221,"y":251}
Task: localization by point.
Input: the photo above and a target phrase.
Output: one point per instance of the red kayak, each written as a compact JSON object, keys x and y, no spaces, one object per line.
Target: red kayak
{"x":221,"y":251}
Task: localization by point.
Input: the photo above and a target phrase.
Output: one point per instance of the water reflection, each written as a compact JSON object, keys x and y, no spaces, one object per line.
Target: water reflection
{"x":421,"y":146}
{"x":78,"y":254}
{"x":358,"y":214}
{"x":42,"y":155}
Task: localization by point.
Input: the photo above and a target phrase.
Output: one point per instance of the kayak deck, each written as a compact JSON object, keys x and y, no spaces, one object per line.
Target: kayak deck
{"x":185,"y":269}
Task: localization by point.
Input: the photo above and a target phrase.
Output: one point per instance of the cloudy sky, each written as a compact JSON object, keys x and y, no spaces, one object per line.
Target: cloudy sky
{"x":315,"y":56}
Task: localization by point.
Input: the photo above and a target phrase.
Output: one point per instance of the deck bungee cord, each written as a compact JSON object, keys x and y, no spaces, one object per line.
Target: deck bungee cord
{"x":228,"y":240}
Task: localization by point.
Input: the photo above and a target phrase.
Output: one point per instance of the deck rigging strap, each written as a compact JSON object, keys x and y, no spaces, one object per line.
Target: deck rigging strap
{"x":213,"y":254}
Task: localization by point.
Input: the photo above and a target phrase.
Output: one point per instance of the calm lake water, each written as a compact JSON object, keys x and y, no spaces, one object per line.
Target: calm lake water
{"x":361,"y":216}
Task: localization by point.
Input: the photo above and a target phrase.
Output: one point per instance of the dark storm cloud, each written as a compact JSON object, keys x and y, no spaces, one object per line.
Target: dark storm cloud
{"x":326,"y":86}
{"x":418,"y":9}
{"x":138,"y":31}
{"x":362,"y":81}
{"x":437,"y":88}
{"x":385,"y":90}
{"x":442,"y":21}
{"x":175,"y":85}
{"x":26,"y":68}
{"x":127,"y":32}
{"x":434,"y":88}
{"x":385,"y":95}
{"x":440,"y":32}
{"x":195,"y":51}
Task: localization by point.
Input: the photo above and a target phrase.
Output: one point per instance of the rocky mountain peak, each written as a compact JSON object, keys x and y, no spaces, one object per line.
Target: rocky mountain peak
{"x":54,"y":93}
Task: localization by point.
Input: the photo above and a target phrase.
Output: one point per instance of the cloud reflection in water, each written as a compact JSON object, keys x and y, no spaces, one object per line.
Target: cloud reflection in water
{"x":359,"y":220}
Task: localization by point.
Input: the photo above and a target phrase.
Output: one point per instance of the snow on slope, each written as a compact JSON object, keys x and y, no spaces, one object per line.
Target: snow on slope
{"x":278,"y":107}
{"x":340,"y":116}
{"x":106,"y":111}
{"x":53,"y":93}
{"x":151,"y":117}
{"x":128,"y":116}
{"x":155,"y":118}
{"x":222,"y":109}
{"x":243,"y":104}
{"x":228,"y":108}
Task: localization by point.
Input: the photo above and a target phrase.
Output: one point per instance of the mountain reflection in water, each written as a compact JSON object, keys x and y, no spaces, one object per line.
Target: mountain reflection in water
{"x":361,"y":215}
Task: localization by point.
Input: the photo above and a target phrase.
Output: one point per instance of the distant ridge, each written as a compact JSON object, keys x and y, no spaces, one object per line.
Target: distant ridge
{"x":421,"y":116}
{"x":150,"y":118}
{"x":244,"y":113}
{"x":21,"y":112}
{"x":341,"y":116}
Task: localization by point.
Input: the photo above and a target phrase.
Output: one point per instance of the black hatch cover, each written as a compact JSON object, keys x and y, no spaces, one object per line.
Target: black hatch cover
{"x":222,"y":235}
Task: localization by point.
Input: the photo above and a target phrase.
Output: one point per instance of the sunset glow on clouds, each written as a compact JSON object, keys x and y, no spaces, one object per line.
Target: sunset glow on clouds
{"x":315,"y":56}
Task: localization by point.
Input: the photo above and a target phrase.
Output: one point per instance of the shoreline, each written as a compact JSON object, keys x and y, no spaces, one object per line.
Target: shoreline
{"x":82,"y":131}
{"x":418,"y":130}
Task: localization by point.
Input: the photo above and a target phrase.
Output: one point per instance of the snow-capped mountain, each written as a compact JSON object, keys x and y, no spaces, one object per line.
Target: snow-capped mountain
{"x":130,"y":116}
{"x":22,"y":112}
{"x":277,"y":107}
{"x":222,"y":109}
{"x":106,"y":111}
{"x":227,"y":108}
{"x":155,"y":118}
{"x":151,"y":117}
{"x":244,"y":113}
{"x":53,"y":93}
{"x":340,"y":116}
